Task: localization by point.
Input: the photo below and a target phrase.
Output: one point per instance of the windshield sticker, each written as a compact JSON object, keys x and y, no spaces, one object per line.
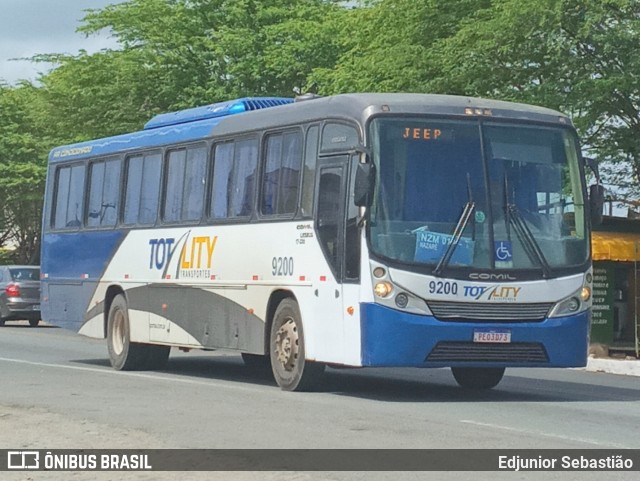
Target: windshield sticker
{"x":503,"y":250}
{"x":431,"y":246}
{"x":480,"y":216}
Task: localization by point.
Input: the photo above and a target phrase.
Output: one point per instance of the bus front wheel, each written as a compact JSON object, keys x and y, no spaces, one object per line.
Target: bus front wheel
{"x":290,"y":369}
{"x":478,"y":378}
{"x":124,"y":354}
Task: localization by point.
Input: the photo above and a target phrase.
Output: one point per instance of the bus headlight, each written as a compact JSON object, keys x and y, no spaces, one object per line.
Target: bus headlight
{"x":577,"y":302}
{"x":383,"y":289}
{"x":566,"y":307}
{"x":585,"y":293}
{"x":572,"y":305}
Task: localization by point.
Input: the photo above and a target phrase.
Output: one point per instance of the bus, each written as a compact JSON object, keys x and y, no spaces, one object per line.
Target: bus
{"x":356,"y":230}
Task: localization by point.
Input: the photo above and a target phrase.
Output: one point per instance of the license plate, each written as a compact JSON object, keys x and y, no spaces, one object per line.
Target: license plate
{"x":493,"y":335}
{"x":36,"y":307}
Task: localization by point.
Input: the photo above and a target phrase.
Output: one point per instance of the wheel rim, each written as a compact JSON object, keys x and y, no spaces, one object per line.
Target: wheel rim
{"x":287,"y":344}
{"x":118,"y":332}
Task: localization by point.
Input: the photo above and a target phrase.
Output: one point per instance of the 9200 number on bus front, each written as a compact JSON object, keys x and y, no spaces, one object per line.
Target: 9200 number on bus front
{"x":443,"y":287}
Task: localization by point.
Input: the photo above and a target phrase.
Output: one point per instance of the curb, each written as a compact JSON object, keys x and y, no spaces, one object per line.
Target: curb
{"x":614,"y":366}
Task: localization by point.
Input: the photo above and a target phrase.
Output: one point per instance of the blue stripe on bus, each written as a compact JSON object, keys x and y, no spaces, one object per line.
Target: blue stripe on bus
{"x":395,"y":338}
{"x":77,"y":254}
{"x":138,"y":140}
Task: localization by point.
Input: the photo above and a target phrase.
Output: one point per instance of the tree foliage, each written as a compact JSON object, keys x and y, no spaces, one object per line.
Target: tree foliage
{"x":578,"y":56}
{"x":22,"y":172}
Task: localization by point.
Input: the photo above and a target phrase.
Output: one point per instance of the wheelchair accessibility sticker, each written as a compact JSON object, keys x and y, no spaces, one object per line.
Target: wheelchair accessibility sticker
{"x":503,"y":251}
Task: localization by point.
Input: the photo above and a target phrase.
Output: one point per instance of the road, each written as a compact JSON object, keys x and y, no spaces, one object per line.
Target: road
{"x":57,"y":390}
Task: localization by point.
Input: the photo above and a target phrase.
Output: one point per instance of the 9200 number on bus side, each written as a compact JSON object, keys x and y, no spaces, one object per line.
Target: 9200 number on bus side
{"x":282,"y":266}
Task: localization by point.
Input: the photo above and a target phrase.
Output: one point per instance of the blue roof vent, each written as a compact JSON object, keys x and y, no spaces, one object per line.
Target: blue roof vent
{"x":221,"y":109}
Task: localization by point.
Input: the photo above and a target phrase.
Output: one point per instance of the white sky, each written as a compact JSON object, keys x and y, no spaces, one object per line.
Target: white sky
{"x":30,"y":27}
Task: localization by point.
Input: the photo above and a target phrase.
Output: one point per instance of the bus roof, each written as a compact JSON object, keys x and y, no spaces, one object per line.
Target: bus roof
{"x":248,"y":114}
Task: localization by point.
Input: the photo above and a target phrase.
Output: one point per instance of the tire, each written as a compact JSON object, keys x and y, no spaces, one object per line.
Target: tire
{"x":124,"y":354}
{"x":34,"y":322}
{"x":478,"y":378}
{"x":290,"y":369}
{"x":2,"y":322}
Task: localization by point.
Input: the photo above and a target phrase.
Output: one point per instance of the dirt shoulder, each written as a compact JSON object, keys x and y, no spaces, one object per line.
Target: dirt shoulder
{"x":35,"y":428}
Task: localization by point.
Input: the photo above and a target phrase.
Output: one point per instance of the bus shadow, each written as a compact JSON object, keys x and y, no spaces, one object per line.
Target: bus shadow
{"x":403,"y":385}
{"x":439,"y":386}
{"x":225,"y":368}
{"x":25,"y":325}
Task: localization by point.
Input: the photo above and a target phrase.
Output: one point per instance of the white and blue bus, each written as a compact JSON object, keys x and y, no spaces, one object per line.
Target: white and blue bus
{"x":354,"y":230}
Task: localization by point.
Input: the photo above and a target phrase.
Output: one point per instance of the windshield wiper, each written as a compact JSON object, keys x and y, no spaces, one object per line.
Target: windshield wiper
{"x":463,"y":220}
{"x":529,"y":243}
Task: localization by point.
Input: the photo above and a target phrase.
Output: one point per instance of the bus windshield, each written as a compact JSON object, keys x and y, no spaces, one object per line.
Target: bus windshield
{"x":480,"y":195}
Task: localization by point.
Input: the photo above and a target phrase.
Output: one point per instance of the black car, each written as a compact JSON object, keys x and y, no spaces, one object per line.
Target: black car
{"x":20,"y":294}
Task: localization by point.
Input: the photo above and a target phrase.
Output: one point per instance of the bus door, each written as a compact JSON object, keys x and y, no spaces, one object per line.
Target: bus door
{"x":331,"y":194}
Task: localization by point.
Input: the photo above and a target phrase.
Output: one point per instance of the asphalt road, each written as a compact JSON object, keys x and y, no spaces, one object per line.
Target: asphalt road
{"x":211,"y":400}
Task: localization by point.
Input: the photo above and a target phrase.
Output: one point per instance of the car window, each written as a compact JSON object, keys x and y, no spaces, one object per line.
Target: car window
{"x":25,"y":274}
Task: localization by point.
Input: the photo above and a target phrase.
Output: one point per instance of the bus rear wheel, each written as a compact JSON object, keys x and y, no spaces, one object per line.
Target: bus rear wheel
{"x":124,"y":354}
{"x":478,"y":378}
{"x":290,"y":369}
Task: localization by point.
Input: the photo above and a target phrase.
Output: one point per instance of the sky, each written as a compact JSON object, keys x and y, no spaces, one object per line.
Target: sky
{"x":30,"y":27}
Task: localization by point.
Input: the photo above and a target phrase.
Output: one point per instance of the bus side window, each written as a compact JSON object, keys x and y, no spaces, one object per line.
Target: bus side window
{"x":185,"y":182}
{"x":233,"y":185}
{"x":338,"y":138}
{"x":328,"y":210}
{"x":143,"y":189}
{"x":104,"y":187}
{"x":309,"y":171}
{"x":352,"y":231}
{"x":243,"y":183}
{"x":69,"y":197}
{"x":174,"y":185}
{"x":195,"y":180}
{"x":281,"y":176}
{"x":222,"y":169}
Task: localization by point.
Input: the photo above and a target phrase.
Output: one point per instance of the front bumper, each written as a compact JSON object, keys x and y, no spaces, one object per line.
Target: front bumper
{"x":395,"y":338}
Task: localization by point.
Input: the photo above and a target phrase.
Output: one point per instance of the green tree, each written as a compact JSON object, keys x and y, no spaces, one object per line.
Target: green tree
{"x":578,"y":56}
{"x":182,"y":53}
{"x":387,"y":45}
{"x":22,"y":172}
{"x":93,"y":96}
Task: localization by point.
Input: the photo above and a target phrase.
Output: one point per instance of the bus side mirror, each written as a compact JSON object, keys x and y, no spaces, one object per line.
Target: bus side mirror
{"x":363,"y":188}
{"x":596,"y":203}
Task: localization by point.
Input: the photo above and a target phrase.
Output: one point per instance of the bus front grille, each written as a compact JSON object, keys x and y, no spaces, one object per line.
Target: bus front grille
{"x":472,"y":352}
{"x":482,"y":312}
